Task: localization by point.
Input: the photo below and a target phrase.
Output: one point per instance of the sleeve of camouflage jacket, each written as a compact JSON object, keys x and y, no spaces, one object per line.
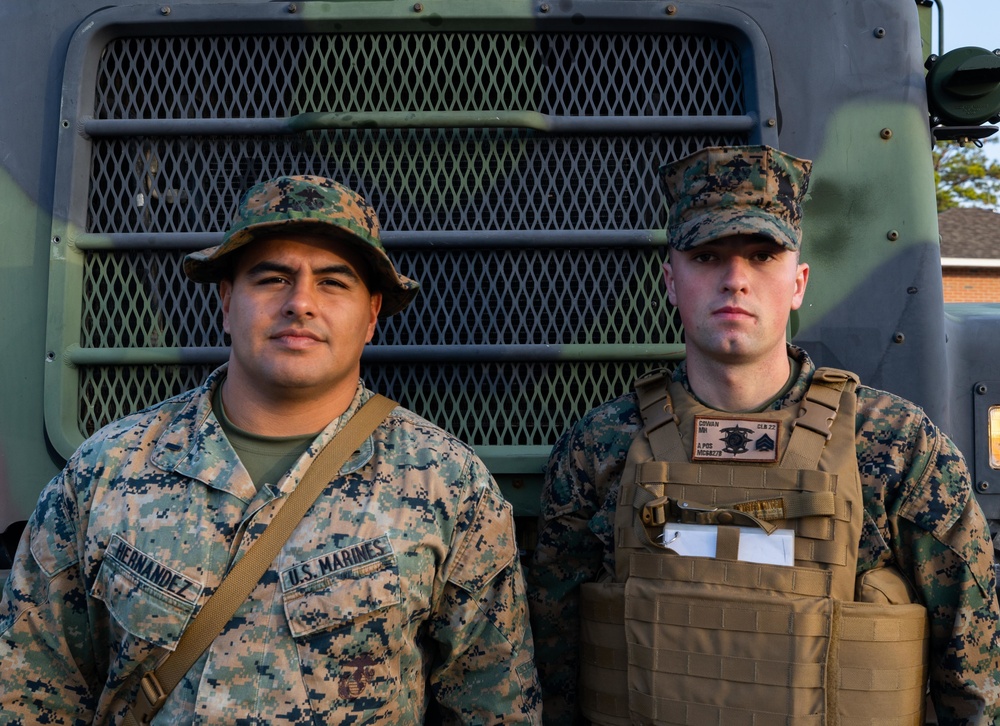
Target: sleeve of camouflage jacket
{"x":48,"y":670}
{"x":486,"y":672}
{"x":581,"y":477}
{"x":940,"y":537}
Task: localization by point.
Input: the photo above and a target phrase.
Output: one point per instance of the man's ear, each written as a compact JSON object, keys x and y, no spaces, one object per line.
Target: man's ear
{"x":668,"y":280}
{"x":225,"y":291}
{"x":801,"y":281}
{"x":376,"y":308}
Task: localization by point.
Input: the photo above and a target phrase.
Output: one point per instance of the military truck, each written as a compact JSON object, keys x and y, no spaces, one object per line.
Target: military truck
{"x":510,"y":148}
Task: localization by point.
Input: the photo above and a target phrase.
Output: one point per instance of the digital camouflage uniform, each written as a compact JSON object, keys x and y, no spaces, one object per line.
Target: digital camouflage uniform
{"x":401,"y":584}
{"x":398,"y":597}
{"x":920,"y":514}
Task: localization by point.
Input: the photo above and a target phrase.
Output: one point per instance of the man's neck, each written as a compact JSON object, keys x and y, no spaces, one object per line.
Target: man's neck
{"x":264,"y":415}
{"x":737,"y":387}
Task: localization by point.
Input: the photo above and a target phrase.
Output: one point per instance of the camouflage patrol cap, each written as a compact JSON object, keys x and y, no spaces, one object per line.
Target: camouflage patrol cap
{"x":736,"y":190}
{"x":315,"y":205}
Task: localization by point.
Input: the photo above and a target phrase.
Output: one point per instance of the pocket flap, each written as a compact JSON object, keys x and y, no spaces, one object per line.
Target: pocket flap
{"x":323,"y":593}
{"x":148,"y":599}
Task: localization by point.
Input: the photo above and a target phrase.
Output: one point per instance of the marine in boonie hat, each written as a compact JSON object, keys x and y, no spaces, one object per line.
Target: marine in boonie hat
{"x":311,"y":204}
{"x":720,"y":192}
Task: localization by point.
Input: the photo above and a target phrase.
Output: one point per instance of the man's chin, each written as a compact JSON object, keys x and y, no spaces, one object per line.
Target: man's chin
{"x":734,"y":352}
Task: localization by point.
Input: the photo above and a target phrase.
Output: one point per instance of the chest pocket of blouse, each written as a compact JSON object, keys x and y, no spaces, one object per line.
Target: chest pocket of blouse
{"x":150,"y":604}
{"x":343,"y":612}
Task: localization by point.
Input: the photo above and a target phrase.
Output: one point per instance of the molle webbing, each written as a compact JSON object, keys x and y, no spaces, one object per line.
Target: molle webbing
{"x":657,"y":412}
{"x":693,"y":640}
{"x":803,"y":497}
{"x":816,"y":414}
{"x":814,"y":485}
{"x":861,"y":670}
{"x":603,"y":657}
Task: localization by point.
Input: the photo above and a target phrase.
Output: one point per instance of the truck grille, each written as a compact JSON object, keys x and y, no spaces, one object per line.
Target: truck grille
{"x":538,"y":247}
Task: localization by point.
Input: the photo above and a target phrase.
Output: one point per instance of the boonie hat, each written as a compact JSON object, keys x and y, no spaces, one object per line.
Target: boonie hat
{"x":719,"y":192}
{"x":311,"y":204}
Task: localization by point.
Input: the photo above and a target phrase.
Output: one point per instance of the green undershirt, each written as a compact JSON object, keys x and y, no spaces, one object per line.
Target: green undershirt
{"x":266,"y":458}
{"x":795,"y":368}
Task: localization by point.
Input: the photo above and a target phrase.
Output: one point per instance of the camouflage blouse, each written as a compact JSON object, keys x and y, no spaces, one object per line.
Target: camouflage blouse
{"x":920,"y":514}
{"x":399,"y":595}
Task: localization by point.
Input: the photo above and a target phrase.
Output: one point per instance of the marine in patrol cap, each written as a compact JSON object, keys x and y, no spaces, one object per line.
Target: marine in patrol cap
{"x":735,"y":190}
{"x":316,"y":205}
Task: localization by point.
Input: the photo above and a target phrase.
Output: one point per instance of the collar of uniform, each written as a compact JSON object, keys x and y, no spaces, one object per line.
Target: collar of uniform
{"x":195,"y":446}
{"x":360,"y":457}
{"x":794,"y":394}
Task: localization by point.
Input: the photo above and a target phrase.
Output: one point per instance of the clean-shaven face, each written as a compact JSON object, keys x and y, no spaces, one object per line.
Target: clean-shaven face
{"x":734,"y":297}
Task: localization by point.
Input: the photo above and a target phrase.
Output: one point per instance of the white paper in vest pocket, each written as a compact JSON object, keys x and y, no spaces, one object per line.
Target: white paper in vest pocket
{"x":698,"y":540}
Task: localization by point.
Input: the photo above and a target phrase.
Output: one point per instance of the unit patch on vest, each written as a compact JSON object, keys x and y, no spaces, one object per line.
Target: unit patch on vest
{"x":735,"y":439}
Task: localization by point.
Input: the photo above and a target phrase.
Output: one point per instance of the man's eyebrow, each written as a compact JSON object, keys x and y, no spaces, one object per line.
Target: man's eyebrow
{"x":270,"y":266}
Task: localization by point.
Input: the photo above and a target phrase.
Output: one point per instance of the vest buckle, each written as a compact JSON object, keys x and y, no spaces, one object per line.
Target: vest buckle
{"x":816,"y":417}
{"x":654,"y":512}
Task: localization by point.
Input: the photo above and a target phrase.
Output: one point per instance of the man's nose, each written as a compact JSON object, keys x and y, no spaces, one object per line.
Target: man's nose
{"x":735,"y":277}
{"x":300,"y":301}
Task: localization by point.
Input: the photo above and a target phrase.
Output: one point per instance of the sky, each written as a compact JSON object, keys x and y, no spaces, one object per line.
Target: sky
{"x":971,"y":22}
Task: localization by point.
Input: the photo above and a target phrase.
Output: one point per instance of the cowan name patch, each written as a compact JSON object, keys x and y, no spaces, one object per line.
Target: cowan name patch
{"x":735,"y":439}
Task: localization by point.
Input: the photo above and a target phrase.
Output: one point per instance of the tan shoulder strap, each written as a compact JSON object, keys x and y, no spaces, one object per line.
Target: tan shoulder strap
{"x":810,"y":429}
{"x":813,"y":427}
{"x":234,"y":589}
{"x":658,"y":417}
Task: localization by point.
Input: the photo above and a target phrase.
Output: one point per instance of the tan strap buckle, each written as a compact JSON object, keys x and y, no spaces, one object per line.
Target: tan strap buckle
{"x":816,"y":417}
{"x":694,"y":513}
{"x":654,"y":512}
{"x":149,"y":699}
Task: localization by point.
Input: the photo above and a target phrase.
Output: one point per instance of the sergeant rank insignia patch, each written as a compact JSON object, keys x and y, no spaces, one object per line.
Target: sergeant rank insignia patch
{"x":735,"y":439}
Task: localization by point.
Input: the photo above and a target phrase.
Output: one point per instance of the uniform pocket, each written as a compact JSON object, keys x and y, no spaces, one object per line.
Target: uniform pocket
{"x":150,"y":605}
{"x":148,"y":599}
{"x":343,"y":610}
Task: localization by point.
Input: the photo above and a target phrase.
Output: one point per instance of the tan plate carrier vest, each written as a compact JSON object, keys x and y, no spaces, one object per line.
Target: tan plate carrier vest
{"x":673,"y":639}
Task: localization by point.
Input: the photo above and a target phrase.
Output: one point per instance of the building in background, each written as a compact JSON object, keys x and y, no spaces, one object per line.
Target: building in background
{"x":970,"y":254}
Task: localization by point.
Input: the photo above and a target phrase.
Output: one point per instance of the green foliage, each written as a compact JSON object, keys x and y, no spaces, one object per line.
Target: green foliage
{"x":965,"y":176}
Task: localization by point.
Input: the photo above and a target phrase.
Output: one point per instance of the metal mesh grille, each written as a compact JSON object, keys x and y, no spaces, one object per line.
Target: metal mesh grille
{"x":110,"y":392}
{"x":448,"y":180}
{"x":143,"y":300}
{"x":489,"y":297}
{"x":556,"y":73}
{"x":521,"y":404}
{"x":417,"y":180}
{"x":137,"y":299}
{"x":515,"y":404}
